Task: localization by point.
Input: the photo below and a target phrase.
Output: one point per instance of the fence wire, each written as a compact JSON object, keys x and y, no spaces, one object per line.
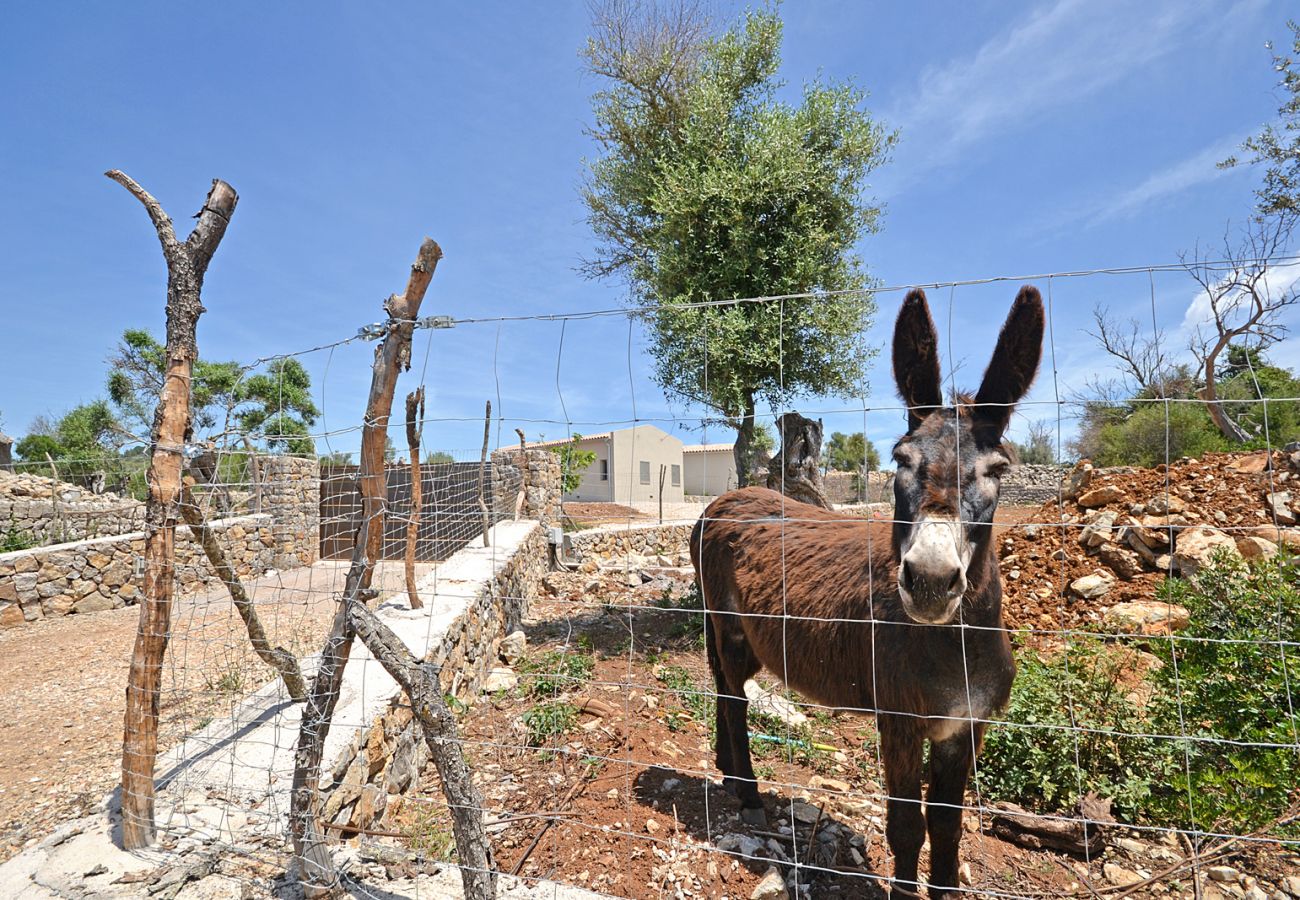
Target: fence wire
{"x":1149,"y":747}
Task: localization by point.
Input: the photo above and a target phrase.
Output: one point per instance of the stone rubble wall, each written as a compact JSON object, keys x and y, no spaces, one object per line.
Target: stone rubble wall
{"x":545,"y":486}
{"x":1032,"y":485}
{"x":98,"y":573}
{"x":370,"y":779}
{"x":107,"y":573}
{"x":846,"y":487}
{"x":43,"y":511}
{"x":595,"y":545}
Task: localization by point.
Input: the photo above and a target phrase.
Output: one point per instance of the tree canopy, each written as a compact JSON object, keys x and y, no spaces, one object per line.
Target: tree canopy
{"x":851,"y":453}
{"x":709,"y":187}
{"x":1277,"y":146}
{"x":275,"y":405}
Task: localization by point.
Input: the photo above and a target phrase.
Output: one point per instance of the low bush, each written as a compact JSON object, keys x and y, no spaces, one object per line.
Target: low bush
{"x":1214,"y":742}
{"x":554,"y":673}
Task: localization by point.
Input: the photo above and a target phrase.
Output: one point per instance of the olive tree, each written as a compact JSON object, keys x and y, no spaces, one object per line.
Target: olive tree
{"x":709,"y":188}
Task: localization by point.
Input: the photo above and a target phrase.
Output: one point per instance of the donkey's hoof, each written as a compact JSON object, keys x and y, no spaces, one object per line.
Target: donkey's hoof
{"x":753,"y":815}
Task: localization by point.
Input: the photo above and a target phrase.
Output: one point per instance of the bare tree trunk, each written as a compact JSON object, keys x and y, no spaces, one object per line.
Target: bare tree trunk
{"x":796,"y":470}
{"x":482,"y":472}
{"x":315,"y":867}
{"x":414,"y":414}
{"x":420,"y":681}
{"x":54,"y":500}
{"x":277,"y":658}
{"x":744,"y":441}
{"x":1228,"y":428}
{"x":187,"y":263}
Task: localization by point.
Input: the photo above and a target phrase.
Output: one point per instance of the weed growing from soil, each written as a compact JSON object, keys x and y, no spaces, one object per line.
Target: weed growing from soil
{"x":555,"y":673}
{"x":429,"y":834}
{"x":688,"y":626}
{"x":549,"y":721}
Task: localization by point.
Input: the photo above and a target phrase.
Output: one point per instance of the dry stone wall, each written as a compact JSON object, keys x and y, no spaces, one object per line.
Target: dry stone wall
{"x":545,"y":485}
{"x":98,"y":573}
{"x":659,"y":544}
{"x":40,"y":510}
{"x":107,"y":573}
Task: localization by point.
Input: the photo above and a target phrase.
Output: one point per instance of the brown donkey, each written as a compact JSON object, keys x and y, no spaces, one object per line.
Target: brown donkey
{"x":907,"y":624}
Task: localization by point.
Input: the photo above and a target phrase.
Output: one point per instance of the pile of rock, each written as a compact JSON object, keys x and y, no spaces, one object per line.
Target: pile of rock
{"x":1115,"y":534}
{"x":40,"y":510}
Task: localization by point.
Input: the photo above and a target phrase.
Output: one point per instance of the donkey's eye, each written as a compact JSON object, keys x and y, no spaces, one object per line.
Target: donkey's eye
{"x":996,"y":469}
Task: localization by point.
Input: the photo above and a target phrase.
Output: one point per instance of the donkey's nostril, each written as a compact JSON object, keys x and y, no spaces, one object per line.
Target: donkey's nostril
{"x":954,"y":584}
{"x":906,"y":577}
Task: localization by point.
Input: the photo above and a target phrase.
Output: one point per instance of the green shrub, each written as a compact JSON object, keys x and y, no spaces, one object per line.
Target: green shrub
{"x":1232,"y":679}
{"x":556,"y":672}
{"x":1222,"y":709}
{"x":1068,"y":731}
{"x":13,"y":539}
{"x":689,"y":624}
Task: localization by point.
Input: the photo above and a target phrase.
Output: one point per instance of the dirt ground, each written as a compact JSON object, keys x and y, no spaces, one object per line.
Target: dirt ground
{"x":65,"y":682}
{"x":626,"y":800}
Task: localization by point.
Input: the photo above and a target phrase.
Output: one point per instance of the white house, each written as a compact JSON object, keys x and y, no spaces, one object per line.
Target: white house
{"x":710,"y":469}
{"x":628,"y":466}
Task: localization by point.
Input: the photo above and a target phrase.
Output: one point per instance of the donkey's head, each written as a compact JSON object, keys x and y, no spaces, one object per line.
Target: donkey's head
{"x":951,"y":460}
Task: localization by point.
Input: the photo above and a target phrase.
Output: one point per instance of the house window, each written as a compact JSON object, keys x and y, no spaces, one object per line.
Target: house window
{"x":677,"y":476}
{"x":604,"y":470}
{"x":645,"y":471}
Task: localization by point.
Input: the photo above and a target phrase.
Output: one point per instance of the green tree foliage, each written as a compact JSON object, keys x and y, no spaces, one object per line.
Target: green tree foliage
{"x":1039,"y":447}
{"x":1277,"y":146}
{"x":709,"y":187}
{"x":851,"y":453}
{"x":440,"y":457}
{"x":573,"y":462}
{"x":1149,"y":430}
{"x":83,"y":441}
{"x":275,"y":404}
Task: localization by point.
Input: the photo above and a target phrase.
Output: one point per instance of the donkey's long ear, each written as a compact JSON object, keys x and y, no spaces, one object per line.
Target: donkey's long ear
{"x":916,"y":359}
{"x":1012,"y":369}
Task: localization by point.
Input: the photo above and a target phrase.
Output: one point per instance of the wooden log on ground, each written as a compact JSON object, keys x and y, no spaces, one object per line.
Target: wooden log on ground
{"x":1079,"y":832}
{"x":420,"y":681}
{"x":315,"y":868}
{"x":279,"y":659}
{"x":187,"y":263}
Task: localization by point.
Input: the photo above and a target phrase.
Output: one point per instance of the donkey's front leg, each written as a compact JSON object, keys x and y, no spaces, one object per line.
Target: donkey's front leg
{"x":950,"y":765}
{"x":901,"y":742}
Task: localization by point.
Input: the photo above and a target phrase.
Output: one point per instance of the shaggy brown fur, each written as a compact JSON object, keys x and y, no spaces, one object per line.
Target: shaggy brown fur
{"x":813,"y":596}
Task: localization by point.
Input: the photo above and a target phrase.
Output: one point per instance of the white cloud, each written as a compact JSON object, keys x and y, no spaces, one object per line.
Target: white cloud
{"x":1199,"y":168}
{"x":1057,"y":56}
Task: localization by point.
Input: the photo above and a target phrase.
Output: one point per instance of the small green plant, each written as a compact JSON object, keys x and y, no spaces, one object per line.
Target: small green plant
{"x":573,"y":462}
{"x":689,"y":624}
{"x":430,"y":834}
{"x":16,"y":540}
{"x":548,"y":721}
{"x":555,"y":672}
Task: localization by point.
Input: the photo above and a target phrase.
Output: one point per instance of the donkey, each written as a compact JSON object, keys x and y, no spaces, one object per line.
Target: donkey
{"x":905,"y":624}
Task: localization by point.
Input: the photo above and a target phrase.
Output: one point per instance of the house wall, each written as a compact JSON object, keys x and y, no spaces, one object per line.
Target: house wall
{"x":710,"y":472}
{"x":592,"y":488}
{"x":645,"y":444}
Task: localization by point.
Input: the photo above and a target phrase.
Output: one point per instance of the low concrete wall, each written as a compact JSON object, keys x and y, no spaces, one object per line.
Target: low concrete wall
{"x":486,"y":592}
{"x":101,"y":573}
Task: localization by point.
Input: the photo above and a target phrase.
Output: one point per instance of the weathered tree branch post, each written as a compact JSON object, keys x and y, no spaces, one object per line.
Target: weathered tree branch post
{"x":796,"y":470}
{"x":522,"y":499}
{"x":482,"y":472}
{"x":414,"y":429}
{"x":393,"y":355}
{"x":277,"y":658}
{"x":187,"y":263}
{"x":473,"y":852}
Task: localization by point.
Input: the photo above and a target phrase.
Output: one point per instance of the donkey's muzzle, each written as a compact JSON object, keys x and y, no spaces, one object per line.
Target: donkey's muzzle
{"x":932,"y":574}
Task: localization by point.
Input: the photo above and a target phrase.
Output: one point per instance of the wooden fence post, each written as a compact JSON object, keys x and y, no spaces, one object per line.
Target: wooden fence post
{"x":393,"y":355}
{"x":414,"y":429}
{"x":187,"y":263}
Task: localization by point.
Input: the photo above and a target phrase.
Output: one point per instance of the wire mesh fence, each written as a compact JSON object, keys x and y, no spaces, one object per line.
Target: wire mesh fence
{"x":785,"y":701}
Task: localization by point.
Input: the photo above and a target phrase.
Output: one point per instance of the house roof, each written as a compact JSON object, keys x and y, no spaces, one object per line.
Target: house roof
{"x":705,"y":448}
{"x":544,"y":445}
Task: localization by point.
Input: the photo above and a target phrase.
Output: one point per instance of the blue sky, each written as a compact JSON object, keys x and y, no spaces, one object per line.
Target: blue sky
{"x":1034,"y":138}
